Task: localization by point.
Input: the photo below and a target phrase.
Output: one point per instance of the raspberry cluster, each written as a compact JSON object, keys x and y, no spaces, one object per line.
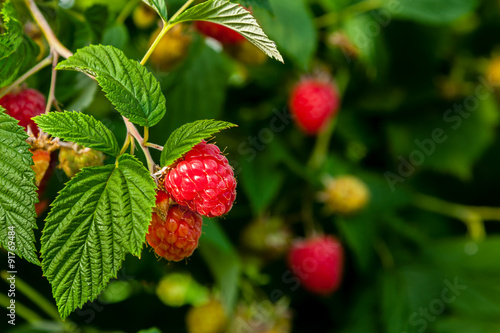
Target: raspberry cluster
{"x":200,"y":183}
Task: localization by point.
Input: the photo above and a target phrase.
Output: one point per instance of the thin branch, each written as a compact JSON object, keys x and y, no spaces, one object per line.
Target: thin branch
{"x":154,"y":146}
{"x":471,"y":216}
{"x":164,"y":30}
{"x":132,"y":130}
{"x":183,"y":8}
{"x":47,"y":31}
{"x":44,"y":63}
{"x":127,"y":9}
{"x":52,"y":97}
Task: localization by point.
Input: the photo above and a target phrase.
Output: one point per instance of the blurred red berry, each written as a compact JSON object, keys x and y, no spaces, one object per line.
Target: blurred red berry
{"x":313,"y":103}
{"x":23,"y":106}
{"x":203,"y":181}
{"x":318,"y":263}
{"x":219,"y":32}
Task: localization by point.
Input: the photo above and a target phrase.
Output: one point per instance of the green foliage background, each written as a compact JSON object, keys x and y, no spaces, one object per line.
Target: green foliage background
{"x":412,"y":62}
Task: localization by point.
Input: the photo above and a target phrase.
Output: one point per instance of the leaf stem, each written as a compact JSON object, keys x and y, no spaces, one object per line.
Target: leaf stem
{"x":471,"y":216}
{"x":47,"y":31}
{"x":183,"y":8}
{"x":126,"y":144}
{"x":310,"y":228}
{"x":154,"y":146}
{"x":146,"y":135}
{"x":164,"y":30}
{"x":52,"y":97}
{"x":166,"y":27}
{"x":44,"y":63}
{"x":127,"y":9}
{"x":35,"y":297}
{"x":132,"y":130}
{"x":320,"y":149}
{"x":21,"y":310}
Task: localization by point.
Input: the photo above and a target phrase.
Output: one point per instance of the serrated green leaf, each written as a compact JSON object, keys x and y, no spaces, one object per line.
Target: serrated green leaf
{"x":130,"y":87}
{"x":100,"y":215}
{"x":17,"y":189}
{"x":80,"y":128}
{"x":133,"y":192}
{"x":10,"y":40}
{"x":187,"y":136}
{"x":235,"y":17}
{"x":160,"y":6}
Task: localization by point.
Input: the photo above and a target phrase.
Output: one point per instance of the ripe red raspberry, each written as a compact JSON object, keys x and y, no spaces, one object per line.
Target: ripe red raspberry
{"x":23,"y":106}
{"x":313,"y":102}
{"x":219,"y":32}
{"x":176,"y":237}
{"x":318,"y":263}
{"x":203,"y":180}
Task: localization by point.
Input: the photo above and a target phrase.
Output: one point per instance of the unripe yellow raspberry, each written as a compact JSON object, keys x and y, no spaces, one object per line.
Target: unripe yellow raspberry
{"x":247,"y":53}
{"x":73,"y":160}
{"x":179,"y":289}
{"x":144,"y":16}
{"x":171,"y":49}
{"x":207,"y":318}
{"x":493,"y":71}
{"x":345,"y":194}
{"x":270,"y":237}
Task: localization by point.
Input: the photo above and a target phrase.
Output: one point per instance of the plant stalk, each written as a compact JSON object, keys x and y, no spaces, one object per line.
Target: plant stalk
{"x":164,"y":30}
{"x":21,"y":310}
{"x":52,"y":97}
{"x":132,"y":130}
{"x":47,"y":31}
{"x":35,"y":297}
{"x":320,"y":149}
{"x":469,"y":215}
{"x":127,"y":9}
{"x":166,"y":27}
